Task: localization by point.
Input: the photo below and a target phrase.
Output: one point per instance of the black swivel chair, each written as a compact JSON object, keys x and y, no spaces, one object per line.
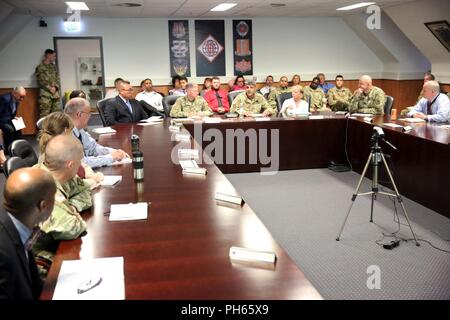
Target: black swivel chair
{"x":101,"y":104}
{"x":39,"y":123}
{"x":388,"y":105}
{"x":233,"y":94}
{"x":168,"y":102}
{"x":151,"y":110}
{"x":13,"y":163}
{"x":281,"y":97}
{"x":23,"y":150}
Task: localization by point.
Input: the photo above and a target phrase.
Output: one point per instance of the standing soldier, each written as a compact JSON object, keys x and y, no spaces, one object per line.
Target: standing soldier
{"x":49,"y":87}
{"x":339,"y":97}
{"x":272,"y":99}
{"x":315,"y":95}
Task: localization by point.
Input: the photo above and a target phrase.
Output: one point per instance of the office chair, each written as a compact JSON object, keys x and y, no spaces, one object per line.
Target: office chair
{"x":23,"y":150}
{"x":281,"y":97}
{"x":388,"y":105}
{"x":39,"y":123}
{"x":12,"y":164}
{"x":168,"y":102}
{"x":233,"y":94}
{"x":101,"y":104}
{"x":151,"y":110}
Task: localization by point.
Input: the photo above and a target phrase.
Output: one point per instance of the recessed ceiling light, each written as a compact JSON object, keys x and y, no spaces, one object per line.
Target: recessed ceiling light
{"x":128,"y":5}
{"x":77,"y":5}
{"x":277,"y":5}
{"x":223,"y":6}
{"x":358,"y":5}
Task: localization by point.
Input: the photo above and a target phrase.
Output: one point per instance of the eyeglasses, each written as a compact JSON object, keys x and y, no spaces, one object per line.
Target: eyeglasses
{"x":88,"y":113}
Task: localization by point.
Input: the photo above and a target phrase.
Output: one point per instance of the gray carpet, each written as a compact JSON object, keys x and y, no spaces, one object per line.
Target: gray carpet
{"x":304,"y":210}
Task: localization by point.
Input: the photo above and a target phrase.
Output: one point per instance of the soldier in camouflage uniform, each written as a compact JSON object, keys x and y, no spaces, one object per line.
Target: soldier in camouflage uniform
{"x":191,"y":104}
{"x":339,"y":97}
{"x":316,"y":96}
{"x":63,"y":156}
{"x":367,"y":98}
{"x":275,"y":92}
{"x":49,"y":88}
{"x":251,"y":102}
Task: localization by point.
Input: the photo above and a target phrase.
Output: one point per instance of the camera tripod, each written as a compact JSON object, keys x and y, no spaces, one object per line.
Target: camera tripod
{"x":376,"y":156}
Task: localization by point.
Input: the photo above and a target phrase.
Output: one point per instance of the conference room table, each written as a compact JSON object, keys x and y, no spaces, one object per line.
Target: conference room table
{"x":181,"y":250}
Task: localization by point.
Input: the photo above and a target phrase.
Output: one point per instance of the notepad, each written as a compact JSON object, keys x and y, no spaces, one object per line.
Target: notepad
{"x":91,"y":279}
{"x":392,"y":125}
{"x":123,"y":161}
{"x":316,"y":117}
{"x":262,"y":119}
{"x":360,"y":114}
{"x":109,"y":181}
{"x":412,"y":120}
{"x":131,"y":211}
{"x":18,"y":123}
{"x":104,"y":130}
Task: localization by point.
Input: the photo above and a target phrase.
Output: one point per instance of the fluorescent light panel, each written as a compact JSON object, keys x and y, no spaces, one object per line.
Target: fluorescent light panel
{"x":223,"y":6}
{"x":77,"y":5}
{"x":358,"y":5}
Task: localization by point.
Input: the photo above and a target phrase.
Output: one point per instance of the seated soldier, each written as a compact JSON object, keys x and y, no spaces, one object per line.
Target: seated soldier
{"x":315,"y":95}
{"x":63,"y":156}
{"x":273,"y":95}
{"x":191,"y":104}
{"x":339,"y":97}
{"x":250,"y":102}
{"x":367,"y":98}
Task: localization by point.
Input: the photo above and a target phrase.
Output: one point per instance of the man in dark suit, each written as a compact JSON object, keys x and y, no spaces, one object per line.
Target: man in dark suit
{"x":29,"y":197}
{"x":123,"y":108}
{"x":9,"y":104}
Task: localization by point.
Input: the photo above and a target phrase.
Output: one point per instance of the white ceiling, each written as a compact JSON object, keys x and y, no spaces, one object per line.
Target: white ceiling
{"x":193,"y":8}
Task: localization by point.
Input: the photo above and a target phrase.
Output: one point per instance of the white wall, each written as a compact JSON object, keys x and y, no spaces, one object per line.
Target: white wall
{"x":138,"y":48}
{"x":410,"y":18}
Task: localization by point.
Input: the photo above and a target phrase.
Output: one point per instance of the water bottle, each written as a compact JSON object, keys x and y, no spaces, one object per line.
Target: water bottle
{"x":138,"y":166}
{"x":134,"y":143}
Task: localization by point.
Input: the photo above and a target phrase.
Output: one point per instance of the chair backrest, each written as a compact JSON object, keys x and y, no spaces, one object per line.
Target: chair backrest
{"x":39,"y":123}
{"x":101,"y":104}
{"x":281,"y":97}
{"x":233,"y":94}
{"x":168,"y":102}
{"x":388,"y":105}
{"x":24,"y":150}
{"x":151,"y":110}
{"x":13,"y":163}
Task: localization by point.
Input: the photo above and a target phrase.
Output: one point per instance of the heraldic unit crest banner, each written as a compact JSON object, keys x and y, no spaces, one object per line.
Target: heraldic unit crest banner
{"x":242,"y":47}
{"x":179,"y":48}
{"x":210,"y":47}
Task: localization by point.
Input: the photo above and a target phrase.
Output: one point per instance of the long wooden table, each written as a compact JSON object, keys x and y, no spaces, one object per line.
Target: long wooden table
{"x":182,"y":250}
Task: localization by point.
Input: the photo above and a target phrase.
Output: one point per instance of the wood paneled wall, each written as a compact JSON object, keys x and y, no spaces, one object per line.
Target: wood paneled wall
{"x":405,"y":93}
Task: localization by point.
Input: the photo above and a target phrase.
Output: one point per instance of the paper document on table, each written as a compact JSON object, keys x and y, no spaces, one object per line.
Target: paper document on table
{"x":91,"y":279}
{"x":188,"y":164}
{"x":18,"y":123}
{"x":147,"y":123}
{"x":131,"y":211}
{"x":153,"y":119}
{"x":392,"y":125}
{"x":361,"y":114}
{"x":104,"y":130}
{"x":110,"y":180}
{"x":244,"y":254}
{"x":447,"y":127}
{"x":412,"y":120}
{"x":212,"y":120}
{"x":123,"y":161}
{"x":262,"y":119}
{"x":316,"y":117}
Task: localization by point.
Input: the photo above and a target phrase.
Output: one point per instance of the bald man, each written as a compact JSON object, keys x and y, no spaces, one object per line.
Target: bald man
{"x":434,"y":106}
{"x":63,"y":156}
{"x":9,"y":104}
{"x":367,"y":98}
{"x":28,"y":200}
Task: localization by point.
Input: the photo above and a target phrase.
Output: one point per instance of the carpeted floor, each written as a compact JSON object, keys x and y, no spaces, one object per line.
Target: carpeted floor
{"x":304,"y":210}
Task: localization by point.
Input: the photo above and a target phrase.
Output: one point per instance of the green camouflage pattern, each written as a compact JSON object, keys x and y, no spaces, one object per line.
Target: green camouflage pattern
{"x":274,"y":93}
{"x":316,"y":96}
{"x":256,"y":105}
{"x":47,"y":76}
{"x":185,"y":108}
{"x":339,"y":99}
{"x":372,"y":103}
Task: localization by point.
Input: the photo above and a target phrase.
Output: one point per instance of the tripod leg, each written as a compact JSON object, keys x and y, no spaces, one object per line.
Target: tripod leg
{"x":399,"y":198}
{"x":354,"y":196}
{"x":371,"y":207}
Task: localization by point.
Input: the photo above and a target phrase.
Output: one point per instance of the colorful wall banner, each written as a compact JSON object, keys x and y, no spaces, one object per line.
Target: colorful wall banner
{"x":179,"y":48}
{"x":242,"y":47}
{"x":210,"y":47}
